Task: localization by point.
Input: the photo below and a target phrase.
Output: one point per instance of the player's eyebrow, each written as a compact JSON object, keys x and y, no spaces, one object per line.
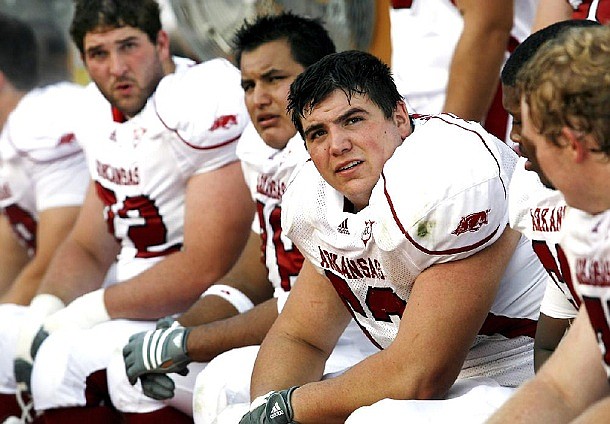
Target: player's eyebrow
{"x":345,"y":115}
{"x":101,"y":46}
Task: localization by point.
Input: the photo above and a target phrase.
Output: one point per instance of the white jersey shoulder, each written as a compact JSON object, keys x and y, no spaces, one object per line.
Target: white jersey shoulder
{"x":204,"y":105}
{"x":447,"y":187}
{"x":42,"y":125}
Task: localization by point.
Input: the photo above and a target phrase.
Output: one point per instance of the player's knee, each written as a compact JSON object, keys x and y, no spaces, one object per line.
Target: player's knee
{"x":54,"y":383}
{"x":124,"y":396}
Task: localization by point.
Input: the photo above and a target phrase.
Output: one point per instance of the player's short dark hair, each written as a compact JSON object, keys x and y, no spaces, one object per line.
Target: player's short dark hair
{"x":89,"y":15}
{"x":309,"y":41}
{"x":353,"y":72}
{"x":18,"y":52}
{"x":528,"y":48}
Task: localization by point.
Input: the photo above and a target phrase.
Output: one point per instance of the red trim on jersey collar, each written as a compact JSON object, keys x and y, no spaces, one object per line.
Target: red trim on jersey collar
{"x":117,"y":115}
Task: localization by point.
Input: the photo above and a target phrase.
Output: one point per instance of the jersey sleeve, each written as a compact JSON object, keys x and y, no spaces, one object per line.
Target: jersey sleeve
{"x":204,"y":106}
{"x":61,"y":183}
{"x":42,"y":127}
{"x":445,"y":192}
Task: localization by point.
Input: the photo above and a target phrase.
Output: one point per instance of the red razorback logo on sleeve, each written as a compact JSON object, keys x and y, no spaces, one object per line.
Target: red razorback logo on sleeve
{"x":224,"y":121}
{"x":472,"y":222}
{"x":67,"y":138}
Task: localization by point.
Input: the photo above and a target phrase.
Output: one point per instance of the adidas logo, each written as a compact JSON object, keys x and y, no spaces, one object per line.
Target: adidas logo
{"x":342,"y":228}
{"x":276,"y":411}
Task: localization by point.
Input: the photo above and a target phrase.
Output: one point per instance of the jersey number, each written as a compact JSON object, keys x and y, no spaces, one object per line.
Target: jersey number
{"x":289,"y":261}
{"x":381,"y":301}
{"x":152,"y":232}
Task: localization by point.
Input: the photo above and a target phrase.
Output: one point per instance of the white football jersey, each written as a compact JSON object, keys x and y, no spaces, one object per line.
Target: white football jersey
{"x":537,"y":212}
{"x":141,"y":167}
{"x":443,"y":196}
{"x":42,"y":165}
{"x":587,"y":245}
{"x":268,"y":172}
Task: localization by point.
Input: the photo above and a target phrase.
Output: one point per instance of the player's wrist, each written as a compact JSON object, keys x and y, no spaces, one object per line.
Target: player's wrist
{"x":85,"y":311}
{"x":234,"y":296}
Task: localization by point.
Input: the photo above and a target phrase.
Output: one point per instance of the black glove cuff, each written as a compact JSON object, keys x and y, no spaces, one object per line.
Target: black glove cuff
{"x":279,"y":407}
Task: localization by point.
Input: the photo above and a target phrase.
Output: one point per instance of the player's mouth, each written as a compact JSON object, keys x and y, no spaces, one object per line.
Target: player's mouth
{"x":347,"y":166}
{"x":266,"y":121}
{"x":123,"y":88}
{"x":523,"y":153}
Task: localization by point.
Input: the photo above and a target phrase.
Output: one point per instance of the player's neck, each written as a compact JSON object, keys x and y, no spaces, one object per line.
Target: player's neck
{"x":169,"y":67}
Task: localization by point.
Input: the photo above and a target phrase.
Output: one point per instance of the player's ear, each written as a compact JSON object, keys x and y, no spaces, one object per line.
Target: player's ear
{"x":401,"y":119}
{"x":577,"y":143}
{"x":163,"y":44}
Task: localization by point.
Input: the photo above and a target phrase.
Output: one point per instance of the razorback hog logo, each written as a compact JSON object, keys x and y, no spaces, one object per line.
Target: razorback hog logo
{"x":67,"y":138}
{"x":224,"y":121}
{"x":472,"y":222}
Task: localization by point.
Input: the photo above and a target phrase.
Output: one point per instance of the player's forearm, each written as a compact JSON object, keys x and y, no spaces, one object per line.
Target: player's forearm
{"x":207,"y":341}
{"x":534,"y":402}
{"x":382,"y":375}
{"x":285,"y":362}
{"x":474,"y":73}
{"x":170,"y":286}
{"x":74,"y":271}
{"x":13,"y":258}
{"x":25,"y":285}
{"x":10,"y":267}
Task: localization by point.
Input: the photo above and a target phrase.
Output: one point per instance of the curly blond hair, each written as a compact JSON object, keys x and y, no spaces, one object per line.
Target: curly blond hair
{"x":567,"y":84}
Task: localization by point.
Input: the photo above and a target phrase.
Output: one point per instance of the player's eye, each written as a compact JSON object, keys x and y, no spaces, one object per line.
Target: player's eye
{"x":353,"y":120}
{"x":247,"y":86}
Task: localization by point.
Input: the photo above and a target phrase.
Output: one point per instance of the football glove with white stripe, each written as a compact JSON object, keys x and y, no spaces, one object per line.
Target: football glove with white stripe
{"x":159,"y":351}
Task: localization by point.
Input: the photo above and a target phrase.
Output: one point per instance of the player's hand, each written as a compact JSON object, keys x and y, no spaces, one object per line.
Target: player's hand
{"x":158,"y":386}
{"x":272,"y":408}
{"x":159,"y":351}
{"x":31,"y":337}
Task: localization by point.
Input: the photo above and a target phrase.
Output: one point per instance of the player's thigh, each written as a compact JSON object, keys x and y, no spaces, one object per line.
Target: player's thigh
{"x":67,"y":357}
{"x":131,"y":399}
{"x":469,"y":401}
{"x":224,"y":382}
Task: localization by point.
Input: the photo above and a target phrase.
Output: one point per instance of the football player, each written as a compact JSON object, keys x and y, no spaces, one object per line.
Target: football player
{"x":164,"y":173}
{"x":427,"y":267}
{"x":564,"y":106}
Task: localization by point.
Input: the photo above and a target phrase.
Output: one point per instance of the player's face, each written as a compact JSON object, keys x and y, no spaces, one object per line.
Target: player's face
{"x":350,"y":141}
{"x":125,"y":65}
{"x":511,"y":101}
{"x":540,"y":152}
{"x":266,"y":74}
{"x":527,"y":148}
